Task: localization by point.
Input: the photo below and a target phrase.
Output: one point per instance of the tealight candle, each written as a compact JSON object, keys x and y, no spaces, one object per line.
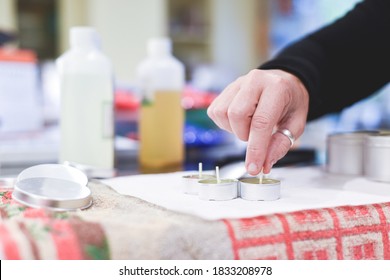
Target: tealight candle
{"x":218,"y":188}
{"x":255,"y":188}
{"x":190,"y":182}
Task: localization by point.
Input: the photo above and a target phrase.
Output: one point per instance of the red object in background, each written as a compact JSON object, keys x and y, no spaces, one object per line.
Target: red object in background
{"x":196,"y":99}
{"x":17,"y":55}
{"x":126,"y":100}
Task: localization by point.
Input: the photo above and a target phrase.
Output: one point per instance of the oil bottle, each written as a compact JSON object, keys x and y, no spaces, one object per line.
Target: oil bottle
{"x":161,"y":79}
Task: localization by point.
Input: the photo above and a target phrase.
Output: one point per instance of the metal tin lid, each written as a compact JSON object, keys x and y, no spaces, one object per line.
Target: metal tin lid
{"x":53,"y":186}
{"x":350,"y":138}
{"x":378,"y":140}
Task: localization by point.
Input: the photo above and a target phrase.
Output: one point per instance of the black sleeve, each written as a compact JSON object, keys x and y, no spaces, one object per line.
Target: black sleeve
{"x":343,"y":62}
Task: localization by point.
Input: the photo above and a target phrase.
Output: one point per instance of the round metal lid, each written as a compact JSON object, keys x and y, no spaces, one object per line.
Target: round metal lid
{"x":379,"y":140}
{"x":350,"y":138}
{"x":53,"y":186}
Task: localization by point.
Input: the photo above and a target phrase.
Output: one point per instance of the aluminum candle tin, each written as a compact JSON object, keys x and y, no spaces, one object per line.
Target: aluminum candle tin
{"x":210,"y":189}
{"x":377,"y":157}
{"x":53,"y":186}
{"x":252,"y":189}
{"x":345,"y":152}
{"x":190,"y":183}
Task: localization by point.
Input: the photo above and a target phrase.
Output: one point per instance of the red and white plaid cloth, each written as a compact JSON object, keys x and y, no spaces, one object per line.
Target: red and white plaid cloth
{"x":113,"y":229}
{"x":347,"y":232}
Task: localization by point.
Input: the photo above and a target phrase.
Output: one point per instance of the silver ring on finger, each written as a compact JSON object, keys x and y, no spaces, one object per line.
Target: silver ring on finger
{"x":288,"y":134}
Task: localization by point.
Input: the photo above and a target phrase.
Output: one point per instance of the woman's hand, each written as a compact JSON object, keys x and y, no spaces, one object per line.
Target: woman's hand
{"x":254,"y":106}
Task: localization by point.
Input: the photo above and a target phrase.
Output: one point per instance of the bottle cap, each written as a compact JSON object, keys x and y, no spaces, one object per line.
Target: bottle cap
{"x":159,"y":46}
{"x":84,"y":37}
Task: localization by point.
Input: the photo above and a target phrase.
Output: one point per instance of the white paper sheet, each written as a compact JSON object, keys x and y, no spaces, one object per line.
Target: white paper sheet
{"x":301,"y":188}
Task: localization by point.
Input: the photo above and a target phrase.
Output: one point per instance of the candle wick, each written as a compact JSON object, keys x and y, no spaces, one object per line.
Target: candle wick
{"x":261,"y":176}
{"x":217,"y":174}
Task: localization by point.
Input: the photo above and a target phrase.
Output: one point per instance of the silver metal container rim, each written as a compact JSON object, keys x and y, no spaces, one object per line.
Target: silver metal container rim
{"x":222,"y":183}
{"x":357,"y":137}
{"x":195,"y":176}
{"x":379,"y":140}
{"x":274,"y":181}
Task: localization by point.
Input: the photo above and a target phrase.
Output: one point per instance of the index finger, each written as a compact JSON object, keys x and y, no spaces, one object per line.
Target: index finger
{"x":267,"y":114}
{"x":218,"y":109}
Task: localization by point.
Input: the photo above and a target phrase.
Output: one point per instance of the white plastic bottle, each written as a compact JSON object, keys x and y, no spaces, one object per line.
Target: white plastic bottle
{"x":87,"y":93}
{"x":161,"y":80}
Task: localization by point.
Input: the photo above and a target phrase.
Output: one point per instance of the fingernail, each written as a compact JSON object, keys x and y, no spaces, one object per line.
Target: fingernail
{"x":252,"y":168}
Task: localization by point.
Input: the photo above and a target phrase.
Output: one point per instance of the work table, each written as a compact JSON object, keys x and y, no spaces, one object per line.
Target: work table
{"x":125,"y":227}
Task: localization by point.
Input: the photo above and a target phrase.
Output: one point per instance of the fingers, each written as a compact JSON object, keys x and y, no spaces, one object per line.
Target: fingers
{"x":268,"y":112}
{"x":253,"y":105}
{"x":233,"y":109}
{"x":244,"y":104}
{"x":218,"y":110}
{"x":279,"y":143}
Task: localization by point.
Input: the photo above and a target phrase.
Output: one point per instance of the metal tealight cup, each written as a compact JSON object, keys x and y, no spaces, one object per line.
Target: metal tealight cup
{"x":253,"y":188}
{"x":211,"y":189}
{"x":191,"y":183}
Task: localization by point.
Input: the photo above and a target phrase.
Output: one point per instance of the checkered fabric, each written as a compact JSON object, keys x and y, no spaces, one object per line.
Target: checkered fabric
{"x":122,"y":227}
{"x":347,"y":232}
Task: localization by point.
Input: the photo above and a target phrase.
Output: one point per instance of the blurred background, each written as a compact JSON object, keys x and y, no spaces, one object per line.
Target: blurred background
{"x":217,"y":40}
